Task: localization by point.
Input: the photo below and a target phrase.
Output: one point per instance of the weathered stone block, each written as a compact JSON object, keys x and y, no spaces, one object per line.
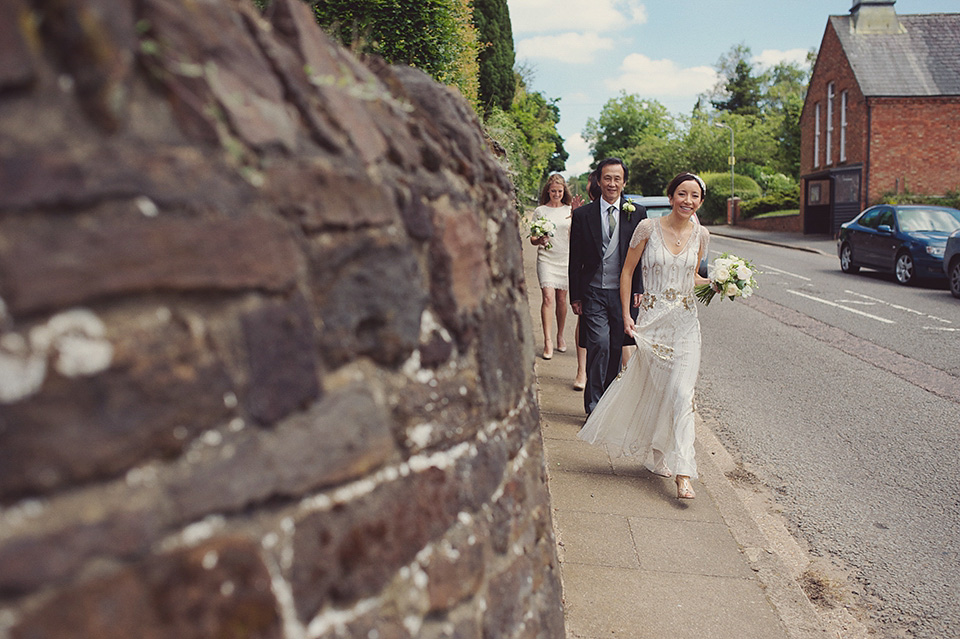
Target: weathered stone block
{"x":31,"y":561}
{"x":439,"y":415}
{"x":351,"y":552}
{"x":503,"y":371}
{"x":281,"y":352}
{"x":162,"y":388}
{"x":328,"y":197}
{"x":17,"y":66}
{"x":50,"y":263}
{"x":455,"y":569}
{"x":218,"y":589}
{"x":370,"y":295}
{"x":508,"y":599}
{"x":341,"y":438}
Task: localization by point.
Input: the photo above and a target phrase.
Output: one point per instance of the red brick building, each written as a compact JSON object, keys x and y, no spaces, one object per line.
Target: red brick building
{"x":882,"y":112}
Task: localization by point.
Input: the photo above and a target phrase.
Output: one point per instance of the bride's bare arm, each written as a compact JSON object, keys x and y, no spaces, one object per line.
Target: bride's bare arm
{"x":626,"y":283}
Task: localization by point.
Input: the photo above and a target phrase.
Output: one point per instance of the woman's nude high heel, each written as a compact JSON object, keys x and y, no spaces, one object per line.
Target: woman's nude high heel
{"x":684,"y":488}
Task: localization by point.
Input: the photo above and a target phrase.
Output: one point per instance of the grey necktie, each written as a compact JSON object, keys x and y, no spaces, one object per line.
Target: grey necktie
{"x":612,"y":218}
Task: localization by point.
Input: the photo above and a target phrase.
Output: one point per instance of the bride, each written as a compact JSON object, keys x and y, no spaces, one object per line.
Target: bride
{"x":648,"y":410}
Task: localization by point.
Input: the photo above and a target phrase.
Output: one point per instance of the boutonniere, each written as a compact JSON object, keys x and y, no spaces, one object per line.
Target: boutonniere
{"x":629,"y":208}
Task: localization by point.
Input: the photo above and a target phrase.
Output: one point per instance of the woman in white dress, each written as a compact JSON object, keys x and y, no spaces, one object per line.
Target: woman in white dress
{"x":648,"y":410}
{"x":552,"y":262}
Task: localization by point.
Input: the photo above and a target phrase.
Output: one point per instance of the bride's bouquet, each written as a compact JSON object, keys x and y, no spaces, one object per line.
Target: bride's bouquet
{"x":730,"y":277}
{"x":542,"y":227}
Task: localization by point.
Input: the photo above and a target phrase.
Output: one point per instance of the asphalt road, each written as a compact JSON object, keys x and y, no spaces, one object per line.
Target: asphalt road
{"x":842,"y":394}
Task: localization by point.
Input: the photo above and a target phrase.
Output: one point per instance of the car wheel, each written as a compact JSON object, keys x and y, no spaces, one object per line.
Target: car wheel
{"x":846,"y":260}
{"x":955,"y":278}
{"x":904,"y":270}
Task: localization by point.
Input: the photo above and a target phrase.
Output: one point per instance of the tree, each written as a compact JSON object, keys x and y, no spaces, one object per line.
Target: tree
{"x":528,"y":132}
{"x":624,"y":122}
{"x":492,"y":21}
{"x":743,"y":91}
{"x":436,"y":36}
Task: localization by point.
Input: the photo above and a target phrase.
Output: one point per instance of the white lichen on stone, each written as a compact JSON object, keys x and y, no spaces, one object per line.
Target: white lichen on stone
{"x":146,"y":206}
{"x":22,"y":370}
{"x":336,"y":620}
{"x":421,"y":434}
{"x":413,"y":624}
{"x":141,"y":476}
{"x":212,"y":438}
{"x":17,"y":515}
{"x":74,"y":340}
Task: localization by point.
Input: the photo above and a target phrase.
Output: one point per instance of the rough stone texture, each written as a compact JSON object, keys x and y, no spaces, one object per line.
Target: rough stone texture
{"x":265,"y":361}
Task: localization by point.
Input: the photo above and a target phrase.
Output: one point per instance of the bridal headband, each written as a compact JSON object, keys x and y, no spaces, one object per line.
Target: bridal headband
{"x":703,"y":187}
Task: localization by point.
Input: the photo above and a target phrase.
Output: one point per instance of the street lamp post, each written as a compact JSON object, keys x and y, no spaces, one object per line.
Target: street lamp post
{"x":732,"y":159}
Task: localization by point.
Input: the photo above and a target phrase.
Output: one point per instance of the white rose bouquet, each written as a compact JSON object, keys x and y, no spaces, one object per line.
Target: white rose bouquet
{"x":730,"y":277}
{"x":542,"y":227}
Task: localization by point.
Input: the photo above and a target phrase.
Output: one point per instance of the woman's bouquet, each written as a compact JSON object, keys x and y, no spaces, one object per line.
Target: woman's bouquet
{"x":542,"y":227}
{"x":730,"y":277}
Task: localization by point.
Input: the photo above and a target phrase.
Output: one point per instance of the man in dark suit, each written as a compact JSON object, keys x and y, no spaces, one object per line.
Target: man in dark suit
{"x":599,"y":238}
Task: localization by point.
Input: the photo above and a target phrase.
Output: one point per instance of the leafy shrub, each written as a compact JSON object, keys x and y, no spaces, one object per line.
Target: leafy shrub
{"x":714,"y":208}
{"x":436,"y":36}
{"x":773,"y":201}
{"x":950,"y":198}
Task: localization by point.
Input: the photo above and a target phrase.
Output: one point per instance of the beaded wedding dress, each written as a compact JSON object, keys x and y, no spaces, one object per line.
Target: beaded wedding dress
{"x":650,"y":404}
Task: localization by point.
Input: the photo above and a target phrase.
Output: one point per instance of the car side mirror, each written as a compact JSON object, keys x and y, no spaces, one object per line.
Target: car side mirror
{"x":885,"y":228}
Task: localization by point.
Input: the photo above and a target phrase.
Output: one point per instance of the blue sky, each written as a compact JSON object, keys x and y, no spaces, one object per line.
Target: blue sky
{"x":585,"y":52}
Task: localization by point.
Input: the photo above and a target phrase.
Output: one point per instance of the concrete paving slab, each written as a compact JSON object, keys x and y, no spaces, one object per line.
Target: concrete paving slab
{"x":598,"y":492}
{"x":604,"y":602}
{"x":597,"y":539}
{"x":575,"y":457}
{"x":692,"y":547}
{"x":560,"y":426}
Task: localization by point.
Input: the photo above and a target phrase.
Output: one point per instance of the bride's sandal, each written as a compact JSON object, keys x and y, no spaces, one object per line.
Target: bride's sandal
{"x":684,"y":488}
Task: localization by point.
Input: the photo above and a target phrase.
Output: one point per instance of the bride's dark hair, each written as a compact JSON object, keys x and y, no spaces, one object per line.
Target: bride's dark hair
{"x":685,"y":177}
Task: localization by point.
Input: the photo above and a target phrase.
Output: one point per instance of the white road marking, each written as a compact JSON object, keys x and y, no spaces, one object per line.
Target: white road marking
{"x":900,"y":308}
{"x":941,"y":328}
{"x":776,"y":270}
{"x":840,"y":306}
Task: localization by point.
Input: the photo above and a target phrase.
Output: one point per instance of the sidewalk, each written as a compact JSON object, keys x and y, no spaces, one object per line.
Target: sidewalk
{"x":823,"y":244}
{"x":635,"y":561}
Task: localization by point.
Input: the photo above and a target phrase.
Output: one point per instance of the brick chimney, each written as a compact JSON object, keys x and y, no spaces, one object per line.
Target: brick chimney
{"x":874,"y":16}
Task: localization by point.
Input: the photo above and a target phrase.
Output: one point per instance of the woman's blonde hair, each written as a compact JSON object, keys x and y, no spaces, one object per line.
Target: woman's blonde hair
{"x":555,"y":178}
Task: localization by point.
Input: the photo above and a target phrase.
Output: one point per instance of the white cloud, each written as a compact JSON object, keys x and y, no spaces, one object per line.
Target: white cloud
{"x":571,"y":48}
{"x":661,"y":78}
{"x":770,"y":58}
{"x":580,"y":158}
{"x":543,"y":16}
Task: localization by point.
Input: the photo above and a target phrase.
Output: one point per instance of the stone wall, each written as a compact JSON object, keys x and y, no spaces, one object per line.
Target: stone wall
{"x":265,"y":360}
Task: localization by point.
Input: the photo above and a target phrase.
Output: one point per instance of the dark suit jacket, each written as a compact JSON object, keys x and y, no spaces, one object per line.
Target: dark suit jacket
{"x":586,"y":245}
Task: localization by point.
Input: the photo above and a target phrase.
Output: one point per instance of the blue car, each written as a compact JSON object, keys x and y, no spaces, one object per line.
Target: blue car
{"x":908,"y":241}
{"x":951,"y":263}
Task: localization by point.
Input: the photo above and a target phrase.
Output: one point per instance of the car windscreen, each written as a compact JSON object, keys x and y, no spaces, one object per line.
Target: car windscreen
{"x":927,"y":220}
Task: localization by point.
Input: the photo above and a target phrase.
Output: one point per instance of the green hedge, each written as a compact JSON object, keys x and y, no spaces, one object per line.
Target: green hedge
{"x":776,"y":201}
{"x":950,"y":198}
{"x":714,"y":208}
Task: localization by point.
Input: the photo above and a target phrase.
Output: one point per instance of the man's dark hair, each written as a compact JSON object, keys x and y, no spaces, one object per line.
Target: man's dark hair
{"x":609,"y":161}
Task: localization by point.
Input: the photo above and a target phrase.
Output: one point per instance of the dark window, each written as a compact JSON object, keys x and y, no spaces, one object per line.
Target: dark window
{"x":870,"y":219}
{"x":886,"y":217}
